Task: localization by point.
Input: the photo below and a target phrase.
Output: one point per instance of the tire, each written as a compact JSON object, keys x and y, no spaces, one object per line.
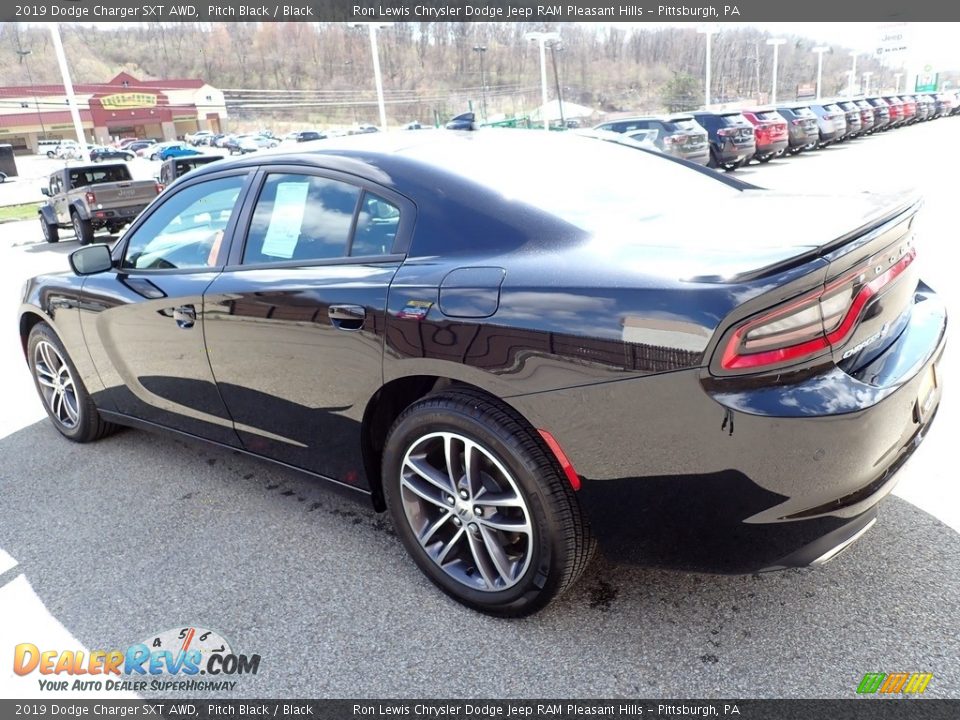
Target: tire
{"x":64,"y":397}
{"x":51,"y":233}
{"x":83,"y":229}
{"x":155,"y":156}
{"x":502,"y":573}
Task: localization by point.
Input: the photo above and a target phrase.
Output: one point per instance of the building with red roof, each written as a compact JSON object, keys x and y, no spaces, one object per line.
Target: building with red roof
{"x":122,"y":107}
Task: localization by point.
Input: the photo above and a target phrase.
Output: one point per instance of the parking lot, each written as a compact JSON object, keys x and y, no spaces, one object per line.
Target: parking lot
{"x":102,"y":546}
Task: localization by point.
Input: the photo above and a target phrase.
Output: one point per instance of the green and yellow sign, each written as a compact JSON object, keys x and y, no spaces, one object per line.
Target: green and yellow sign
{"x":127,"y":101}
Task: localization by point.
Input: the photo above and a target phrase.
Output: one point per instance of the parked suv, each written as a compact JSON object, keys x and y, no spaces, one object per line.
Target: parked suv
{"x":770,"y":130}
{"x":881,"y":113}
{"x":851,"y":114}
{"x":732,"y":140}
{"x":830,"y":123}
{"x":897,"y":113}
{"x":677,"y":135}
{"x":803,"y":132}
{"x":909,"y":109}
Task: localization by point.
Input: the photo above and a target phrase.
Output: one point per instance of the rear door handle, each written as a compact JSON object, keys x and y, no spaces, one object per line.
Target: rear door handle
{"x":347,"y":317}
{"x":185,"y":316}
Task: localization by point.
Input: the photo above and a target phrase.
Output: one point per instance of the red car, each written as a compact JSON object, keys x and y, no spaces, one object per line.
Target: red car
{"x":909,"y":109}
{"x":771,"y":133}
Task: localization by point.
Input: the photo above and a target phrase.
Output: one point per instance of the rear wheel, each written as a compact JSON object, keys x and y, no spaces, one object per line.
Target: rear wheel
{"x":482,"y":506}
{"x":64,"y":396}
{"x":51,"y":233}
{"x":83,"y":229}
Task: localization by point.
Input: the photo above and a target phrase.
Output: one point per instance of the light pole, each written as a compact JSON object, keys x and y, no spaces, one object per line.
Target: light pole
{"x":481,"y":50}
{"x":68,"y":88}
{"x":377,"y":78}
{"x":853,"y":73}
{"x":866,"y":83}
{"x":776,"y":42}
{"x":820,"y":50}
{"x":896,"y":77}
{"x":543,"y":38}
{"x":707,"y":30}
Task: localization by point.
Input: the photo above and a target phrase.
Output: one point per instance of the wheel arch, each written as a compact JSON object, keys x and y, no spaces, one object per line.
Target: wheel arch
{"x":30,"y":319}
{"x":80,"y":209}
{"x":386,"y":406}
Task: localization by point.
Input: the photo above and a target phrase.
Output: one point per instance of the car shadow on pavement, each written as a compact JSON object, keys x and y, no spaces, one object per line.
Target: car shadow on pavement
{"x":142,"y":532}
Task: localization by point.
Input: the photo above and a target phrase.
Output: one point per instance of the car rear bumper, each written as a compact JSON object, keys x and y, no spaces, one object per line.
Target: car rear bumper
{"x":770,"y":148}
{"x":684,"y":470}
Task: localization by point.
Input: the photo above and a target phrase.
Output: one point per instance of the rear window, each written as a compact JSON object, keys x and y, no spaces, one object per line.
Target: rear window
{"x":804,"y":113}
{"x":769,"y":116}
{"x":832,"y":108}
{"x":111,"y":173}
{"x":733,"y":119}
{"x":599,"y":187}
{"x":683,"y":124}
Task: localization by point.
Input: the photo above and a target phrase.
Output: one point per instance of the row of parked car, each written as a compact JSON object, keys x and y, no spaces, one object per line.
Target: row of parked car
{"x":733,"y":138}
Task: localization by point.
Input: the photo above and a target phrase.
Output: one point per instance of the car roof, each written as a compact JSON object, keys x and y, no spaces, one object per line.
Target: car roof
{"x":395,"y":159}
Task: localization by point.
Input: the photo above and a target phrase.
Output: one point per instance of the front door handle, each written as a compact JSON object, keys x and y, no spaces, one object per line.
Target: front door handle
{"x":347,"y":317}
{"x":185,"y":316}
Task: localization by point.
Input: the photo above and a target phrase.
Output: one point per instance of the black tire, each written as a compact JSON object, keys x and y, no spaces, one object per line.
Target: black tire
{"x":88,"y":425}
{"x":51,"y":233}
{"x":83,"y":229}
{"x":549,"y":559}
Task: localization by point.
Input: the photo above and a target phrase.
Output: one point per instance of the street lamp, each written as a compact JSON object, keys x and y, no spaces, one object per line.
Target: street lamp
{"x":481,"y":50}
{"x":373,"y":27}
{"x":896,"y":77}
{"x":68,"y":89}
{"x":707,"y":30}
{"x":554,"y":49}
{"x":820,"y":50}
{"x":543,"y":38}
{"x":22,"y":54}
{"x":776,"y":42}
{"x":866,"y":83}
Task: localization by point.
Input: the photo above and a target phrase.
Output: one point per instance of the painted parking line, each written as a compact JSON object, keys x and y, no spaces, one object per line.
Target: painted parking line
{"x":7,"y":562}
{"x":33,"y":623}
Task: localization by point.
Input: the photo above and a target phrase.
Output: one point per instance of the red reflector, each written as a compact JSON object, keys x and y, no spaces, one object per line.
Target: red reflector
{"x":91,"y":197}
{"x":562,"y":458}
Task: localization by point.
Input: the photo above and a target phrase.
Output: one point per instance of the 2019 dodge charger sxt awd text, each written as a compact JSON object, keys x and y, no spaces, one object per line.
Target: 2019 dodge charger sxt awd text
{"x":517,"y":348}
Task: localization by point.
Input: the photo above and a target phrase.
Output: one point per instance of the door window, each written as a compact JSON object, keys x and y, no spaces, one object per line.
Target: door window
{"x":186,"y":231}
{"x":301,"y":217}
{"x":377,"y":225}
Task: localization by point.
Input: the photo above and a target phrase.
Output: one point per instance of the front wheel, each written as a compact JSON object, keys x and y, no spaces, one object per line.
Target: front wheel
{"x":64,"y":396}
{"x":51,"y":233}
{"x":481,"y":504}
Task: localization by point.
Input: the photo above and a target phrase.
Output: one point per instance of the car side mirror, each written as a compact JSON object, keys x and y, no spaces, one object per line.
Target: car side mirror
{"x":91,"y":260}
{"x":45,"y":191}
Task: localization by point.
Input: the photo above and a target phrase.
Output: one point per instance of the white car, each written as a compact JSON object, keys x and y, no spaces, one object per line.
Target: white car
{"x":255,"y":142}
{"x":201,"y":137}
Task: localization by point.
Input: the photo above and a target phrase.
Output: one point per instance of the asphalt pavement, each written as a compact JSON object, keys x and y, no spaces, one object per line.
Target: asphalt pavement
{"x":104,"y":545}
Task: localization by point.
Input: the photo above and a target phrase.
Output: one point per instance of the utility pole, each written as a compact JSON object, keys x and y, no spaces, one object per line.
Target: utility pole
{"x":820,"y":50}
{"x":542,"y":38}
{"x":556,"y":79}
{"x":776,"y":42}
{"x":707,"y":29}
{"x":481,"y":50}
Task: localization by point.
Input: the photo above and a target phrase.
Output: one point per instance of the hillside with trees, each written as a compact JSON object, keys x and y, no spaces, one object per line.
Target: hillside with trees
{"x":322,"y":72}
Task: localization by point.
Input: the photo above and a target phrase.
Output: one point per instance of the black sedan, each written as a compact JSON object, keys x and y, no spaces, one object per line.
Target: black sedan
{"x":98,"y":154}
{"x":516,"y":348}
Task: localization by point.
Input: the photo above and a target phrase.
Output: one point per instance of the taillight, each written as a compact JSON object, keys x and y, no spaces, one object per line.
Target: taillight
{"x":726,"y":132}
{"x":159,"y":188}
{"x":811,"y":324}
{"x":91,"y":198}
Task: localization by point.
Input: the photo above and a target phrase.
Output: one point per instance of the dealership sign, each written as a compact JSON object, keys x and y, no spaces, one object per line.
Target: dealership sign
{"x":892,"y":40}
{"x":125,"y":101}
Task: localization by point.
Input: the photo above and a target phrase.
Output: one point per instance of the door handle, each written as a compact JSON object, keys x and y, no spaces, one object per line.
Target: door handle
{"x":347,"y":317}
{"x":185,"y":316}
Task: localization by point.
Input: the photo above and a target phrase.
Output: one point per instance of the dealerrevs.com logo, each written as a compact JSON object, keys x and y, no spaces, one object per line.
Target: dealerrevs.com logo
{"x":172,"y":660}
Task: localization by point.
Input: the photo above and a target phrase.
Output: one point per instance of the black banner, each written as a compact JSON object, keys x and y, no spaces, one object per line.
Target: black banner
{"x":476,"y":11}
{"x":853,"y":709}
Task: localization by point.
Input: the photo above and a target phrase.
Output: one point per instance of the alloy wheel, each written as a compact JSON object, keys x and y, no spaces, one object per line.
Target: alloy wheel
{"x":56,"y":384}
{"x":466,"y":510}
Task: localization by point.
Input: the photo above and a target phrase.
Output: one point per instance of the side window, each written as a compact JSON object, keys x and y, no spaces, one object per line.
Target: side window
{"x":301,"y":217}
{"x":186,"y":231}
{"x":377,"y":225}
